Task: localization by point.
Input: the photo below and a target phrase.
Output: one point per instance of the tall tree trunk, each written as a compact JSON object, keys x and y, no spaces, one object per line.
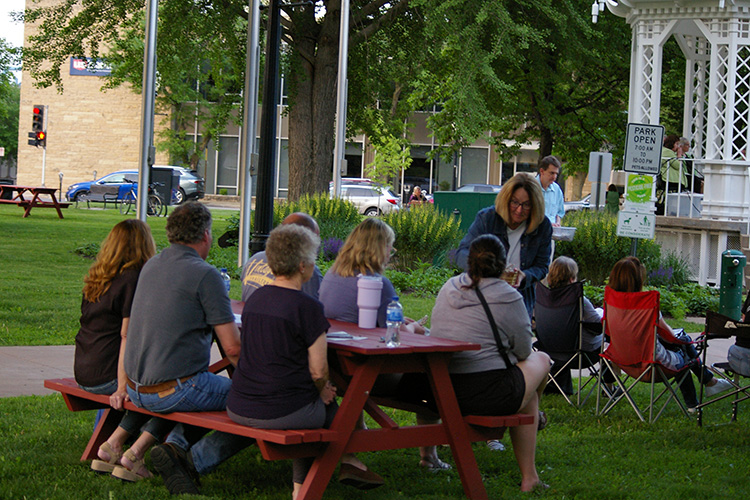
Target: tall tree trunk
{"x":313,"y":110}
{"x":545,"y":142}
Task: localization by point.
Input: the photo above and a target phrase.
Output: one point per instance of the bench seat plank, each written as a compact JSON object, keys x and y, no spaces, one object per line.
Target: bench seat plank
{"x":78,"y":400}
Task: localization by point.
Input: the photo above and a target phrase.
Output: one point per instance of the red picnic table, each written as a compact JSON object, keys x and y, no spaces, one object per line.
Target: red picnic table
{"x":355,"y":365}
{"x":20,"y":199}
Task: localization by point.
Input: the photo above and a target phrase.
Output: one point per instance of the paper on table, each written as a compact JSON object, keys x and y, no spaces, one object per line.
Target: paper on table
{"x":343,"y":336}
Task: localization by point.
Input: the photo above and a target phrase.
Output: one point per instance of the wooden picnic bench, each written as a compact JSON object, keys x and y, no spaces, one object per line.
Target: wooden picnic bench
{"x":359,"y":362}
{"x":20,"y":200}
{"x":273,"y":444}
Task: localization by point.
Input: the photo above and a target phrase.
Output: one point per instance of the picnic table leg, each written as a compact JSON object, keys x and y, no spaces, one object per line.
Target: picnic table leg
{"x":106,"y":426}
{"x":31,"y":204}
{"x":346,"y":419}
{"x":57,"y":205}
{"x":458,"y":437}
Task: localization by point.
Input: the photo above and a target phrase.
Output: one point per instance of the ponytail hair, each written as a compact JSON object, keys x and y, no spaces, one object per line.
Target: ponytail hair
{"x":486,"y":259}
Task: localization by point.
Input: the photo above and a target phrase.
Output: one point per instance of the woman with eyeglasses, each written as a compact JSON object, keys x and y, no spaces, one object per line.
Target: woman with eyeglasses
{"x":518,"y":220}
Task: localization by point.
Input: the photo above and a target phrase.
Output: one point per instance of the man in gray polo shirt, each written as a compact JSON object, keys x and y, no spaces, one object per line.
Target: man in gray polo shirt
{"x":179,"y":300}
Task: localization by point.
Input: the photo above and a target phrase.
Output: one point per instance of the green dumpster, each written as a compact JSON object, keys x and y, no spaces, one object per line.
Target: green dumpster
{"x":730,"y":286}
{"x":463,"y":205}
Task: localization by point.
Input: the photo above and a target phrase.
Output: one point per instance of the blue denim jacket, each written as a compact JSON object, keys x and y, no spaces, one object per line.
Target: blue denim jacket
{"x":535,"y":250}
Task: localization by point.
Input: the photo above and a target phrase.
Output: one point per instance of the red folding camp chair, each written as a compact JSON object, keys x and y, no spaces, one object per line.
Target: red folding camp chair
{"x":719,"y":326}
{"x":558,"y":315}
{"x":631,"y":322}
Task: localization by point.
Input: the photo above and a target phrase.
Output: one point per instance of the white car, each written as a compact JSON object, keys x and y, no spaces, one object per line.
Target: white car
{"x":371,"y":200}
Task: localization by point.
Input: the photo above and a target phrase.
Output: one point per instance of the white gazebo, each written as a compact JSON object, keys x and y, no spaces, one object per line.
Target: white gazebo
{"x":715,"y":39}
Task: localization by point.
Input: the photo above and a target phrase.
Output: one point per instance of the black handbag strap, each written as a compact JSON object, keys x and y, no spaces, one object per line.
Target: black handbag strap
{"x":498,"y":340}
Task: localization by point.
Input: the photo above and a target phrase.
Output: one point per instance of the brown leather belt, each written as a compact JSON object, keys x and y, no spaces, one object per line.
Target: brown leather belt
{"x":156,"y":388}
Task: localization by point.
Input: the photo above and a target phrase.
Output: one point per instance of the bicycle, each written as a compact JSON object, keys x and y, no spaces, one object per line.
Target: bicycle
{"x":155,"y":206}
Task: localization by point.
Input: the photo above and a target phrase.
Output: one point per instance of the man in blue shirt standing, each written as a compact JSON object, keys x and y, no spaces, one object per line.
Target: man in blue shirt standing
{"x":554,"y":201}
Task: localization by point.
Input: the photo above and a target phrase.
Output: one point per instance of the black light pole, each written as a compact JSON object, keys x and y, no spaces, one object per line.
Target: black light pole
{"x":268,"y":123}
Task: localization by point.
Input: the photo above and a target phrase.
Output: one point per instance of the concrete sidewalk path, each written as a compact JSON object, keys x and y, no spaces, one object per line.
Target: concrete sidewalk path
{"x":24,"y":369}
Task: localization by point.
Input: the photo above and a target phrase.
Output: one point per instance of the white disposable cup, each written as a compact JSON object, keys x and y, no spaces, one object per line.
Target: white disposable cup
{"x":369,"y":290}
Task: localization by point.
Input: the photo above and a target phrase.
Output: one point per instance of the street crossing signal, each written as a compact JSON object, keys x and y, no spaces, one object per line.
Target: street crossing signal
{"x":38,"y":136}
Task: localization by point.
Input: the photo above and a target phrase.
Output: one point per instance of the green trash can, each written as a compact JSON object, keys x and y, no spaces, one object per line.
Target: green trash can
{"x":730,"y":286}
{"x":463,"y":205}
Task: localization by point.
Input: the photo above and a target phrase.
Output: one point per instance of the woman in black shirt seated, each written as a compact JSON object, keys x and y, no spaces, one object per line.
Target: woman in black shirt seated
{"x":281,"y":381}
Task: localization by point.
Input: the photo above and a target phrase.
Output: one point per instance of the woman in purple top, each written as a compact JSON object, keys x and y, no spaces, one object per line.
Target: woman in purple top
{"x":367,"y":251}
{"x":281,"y":381}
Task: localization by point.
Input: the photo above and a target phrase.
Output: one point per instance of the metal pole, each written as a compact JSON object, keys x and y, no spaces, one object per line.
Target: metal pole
{"x":341,"y":91}
{"x":44,"y":148}
{"x":267,"y":153}
{"x":597,"y":184}
{"x":249,"y":126}
{"x":147,"y":152}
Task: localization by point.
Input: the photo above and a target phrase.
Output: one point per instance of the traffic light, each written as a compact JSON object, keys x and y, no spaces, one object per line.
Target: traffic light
{"x":38,"y":136}
{"x":37,"y":125}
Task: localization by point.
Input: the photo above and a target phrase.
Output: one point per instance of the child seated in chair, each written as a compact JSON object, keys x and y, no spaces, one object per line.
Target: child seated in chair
{"x":562,"y":272}
{"x":629,"y":275}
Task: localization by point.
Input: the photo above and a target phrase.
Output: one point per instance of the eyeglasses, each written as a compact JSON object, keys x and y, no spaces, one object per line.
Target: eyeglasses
{"x":393,"y":252}
{"x":525,"y":206}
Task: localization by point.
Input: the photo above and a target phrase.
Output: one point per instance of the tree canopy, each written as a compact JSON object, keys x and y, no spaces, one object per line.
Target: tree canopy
{"x":10,"y":96}
{"x":522,"y":69}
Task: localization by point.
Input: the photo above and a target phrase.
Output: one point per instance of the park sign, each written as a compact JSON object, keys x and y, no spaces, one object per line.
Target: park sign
{"x":643,"y":145}
{"x":636,"y":224}
{"x":638,"y":191}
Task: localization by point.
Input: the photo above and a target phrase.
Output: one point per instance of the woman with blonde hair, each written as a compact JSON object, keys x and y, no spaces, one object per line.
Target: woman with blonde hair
{"x":366,"y":251}
{"x":518,"y":220}
{"x":108,"y":293}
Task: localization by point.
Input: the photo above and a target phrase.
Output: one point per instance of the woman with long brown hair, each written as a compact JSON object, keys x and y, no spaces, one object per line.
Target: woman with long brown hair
{"x":108,"y":293}
{"x":629,"y":275}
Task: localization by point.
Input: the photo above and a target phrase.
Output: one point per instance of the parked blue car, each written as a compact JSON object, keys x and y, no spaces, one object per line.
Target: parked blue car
{"x":192,"y":186}
{"x":82,"y":189}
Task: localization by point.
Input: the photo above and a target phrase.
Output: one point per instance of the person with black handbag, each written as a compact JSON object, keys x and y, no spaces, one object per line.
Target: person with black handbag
{"x":505,"y":376}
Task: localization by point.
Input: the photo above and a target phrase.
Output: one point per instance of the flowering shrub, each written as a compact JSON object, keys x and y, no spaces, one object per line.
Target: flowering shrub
{"x":331,"y":247}
{"x":661,"y":276}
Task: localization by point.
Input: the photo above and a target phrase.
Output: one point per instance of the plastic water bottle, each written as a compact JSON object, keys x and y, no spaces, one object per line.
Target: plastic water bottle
{"x":225,"y":277}
{"x":394,"y":318}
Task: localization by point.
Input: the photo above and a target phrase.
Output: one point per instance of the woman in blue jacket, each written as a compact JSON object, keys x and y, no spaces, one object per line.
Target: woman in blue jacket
{"x":518,"y":220}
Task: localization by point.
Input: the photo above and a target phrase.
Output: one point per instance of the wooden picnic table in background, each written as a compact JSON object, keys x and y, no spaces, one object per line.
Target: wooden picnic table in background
{"x":7,"y":197}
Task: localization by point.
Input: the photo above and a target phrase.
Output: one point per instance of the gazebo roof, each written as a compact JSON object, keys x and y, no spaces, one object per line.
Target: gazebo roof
{"x":674,"y":8}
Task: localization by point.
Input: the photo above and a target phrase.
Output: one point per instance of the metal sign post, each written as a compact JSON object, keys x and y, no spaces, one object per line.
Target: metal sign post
{"x":600,"y":168}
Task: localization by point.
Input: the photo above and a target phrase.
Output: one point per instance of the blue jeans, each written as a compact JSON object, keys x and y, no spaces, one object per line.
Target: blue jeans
{"x":132,"y":422}
{"x":204,"y":392}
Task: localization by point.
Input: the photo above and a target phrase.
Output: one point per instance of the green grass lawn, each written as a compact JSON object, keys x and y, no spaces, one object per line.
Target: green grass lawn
{"x":580,"y":455}
{"x":41,"y":277}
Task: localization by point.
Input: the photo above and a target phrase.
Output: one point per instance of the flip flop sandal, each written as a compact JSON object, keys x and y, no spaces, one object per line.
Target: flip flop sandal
{"x":132,"y":468}
{"x":106,"y":466}
{"x":434,"y":464}
{"x":542,"y":421}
